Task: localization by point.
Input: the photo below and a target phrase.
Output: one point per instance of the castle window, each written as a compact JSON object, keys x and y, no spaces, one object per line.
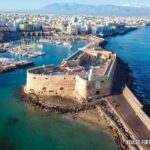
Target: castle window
{"x":44,"y":88}
{"x":102,"y":81}
{"x":46,"y":78}
{"x":97,"y":85}
{"x":97,"y":92}
{"x":34,"y":77}
{"x":61,"y":88}
{"x":51,"y":91}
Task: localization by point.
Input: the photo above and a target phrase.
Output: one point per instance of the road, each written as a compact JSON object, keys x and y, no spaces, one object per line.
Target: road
{"x":124,"y":109}
{"x":130,"y":117}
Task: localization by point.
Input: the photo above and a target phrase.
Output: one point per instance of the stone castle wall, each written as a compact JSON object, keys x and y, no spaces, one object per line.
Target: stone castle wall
{"x":105,"y":83}
{"x":108,"y":83}
{"x":81,"y":87}
{"x":136,"y":105}
{"x":57,"y":85}
{"x":71,"y":86}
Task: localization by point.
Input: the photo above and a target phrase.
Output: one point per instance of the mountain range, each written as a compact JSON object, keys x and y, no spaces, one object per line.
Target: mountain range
{"x":102,"y":10}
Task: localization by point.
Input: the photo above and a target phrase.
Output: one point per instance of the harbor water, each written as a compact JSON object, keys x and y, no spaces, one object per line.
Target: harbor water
{"x":22,"y":128}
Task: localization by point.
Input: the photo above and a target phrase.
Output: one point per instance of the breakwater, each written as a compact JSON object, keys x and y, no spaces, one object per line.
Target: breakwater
{"x":136,"y":106}
{"x":39,"y":104}
{"x":119,"y":132}
{"x":118,"y":128}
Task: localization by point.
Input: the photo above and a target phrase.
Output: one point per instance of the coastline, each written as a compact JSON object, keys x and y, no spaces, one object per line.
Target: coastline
{"x":79,"y":112}
{"x":90,"y":116}
{"x":129,"y":76}
{"x":130,"y":80}
{"x":120,"y":33}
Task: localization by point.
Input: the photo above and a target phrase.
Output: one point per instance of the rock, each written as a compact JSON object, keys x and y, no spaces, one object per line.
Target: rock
{"x":12,"y":121}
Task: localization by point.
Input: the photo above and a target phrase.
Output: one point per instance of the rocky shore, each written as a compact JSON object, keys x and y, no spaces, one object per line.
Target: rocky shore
{"x":98,"y":113}
{"x":37,"y":103}
{"x":118,"y":129}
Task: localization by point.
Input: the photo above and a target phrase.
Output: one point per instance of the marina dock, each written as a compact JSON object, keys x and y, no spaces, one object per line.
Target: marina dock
{"x":7,"y":64}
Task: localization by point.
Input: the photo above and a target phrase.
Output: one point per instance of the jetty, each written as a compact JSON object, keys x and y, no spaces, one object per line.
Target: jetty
{"x":8,"y":64}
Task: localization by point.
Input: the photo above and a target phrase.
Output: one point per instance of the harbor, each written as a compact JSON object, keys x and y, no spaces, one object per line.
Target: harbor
{"x":20,"y":54}
{"x":27,"y":48}
{"x":23,"y":52}
{"x":4,"y":47}
{"x":37,"y":126}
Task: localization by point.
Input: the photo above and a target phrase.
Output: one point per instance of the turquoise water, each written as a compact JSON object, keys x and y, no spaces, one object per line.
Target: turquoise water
{"x":134,"y":49}
{"x":21,"y":128}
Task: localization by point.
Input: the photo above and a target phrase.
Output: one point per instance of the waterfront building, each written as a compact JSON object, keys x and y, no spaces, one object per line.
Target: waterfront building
{"x":30,"y":27}
{"x":12,"y":27}
{"x":4,"y":28}
{"x":73,"y":29}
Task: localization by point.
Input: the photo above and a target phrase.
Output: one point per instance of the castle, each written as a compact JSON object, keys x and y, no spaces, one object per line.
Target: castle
{"x":85,"y":75}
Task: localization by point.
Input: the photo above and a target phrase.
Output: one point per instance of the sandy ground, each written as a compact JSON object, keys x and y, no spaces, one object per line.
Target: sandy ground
{"x":91,"y":119}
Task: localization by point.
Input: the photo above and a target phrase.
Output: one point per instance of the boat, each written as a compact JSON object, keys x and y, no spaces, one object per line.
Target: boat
{"x":40,"y":46}
{"x":58,"y":43}
{"x":32,"y":55}
{"x":67,"y":44}
{"x":44,"y":40}
{"x":2,"y":50}
{"x":40,"y":53}
{"x":70,"y":47}
{"x":24,"y":63}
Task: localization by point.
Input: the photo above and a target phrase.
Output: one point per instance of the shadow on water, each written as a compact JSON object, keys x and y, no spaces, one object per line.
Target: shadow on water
{"x":146,"y":108}
{"x":12,"y":121}
{"x":123,"y":76}
{"x":6,"y":144}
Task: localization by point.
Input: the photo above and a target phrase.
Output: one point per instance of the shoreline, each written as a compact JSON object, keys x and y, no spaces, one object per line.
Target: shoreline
{"x":88,"y":116}
{"x":130,"y":79}
{"x":38,"y":104}
{"x":120,"y":33}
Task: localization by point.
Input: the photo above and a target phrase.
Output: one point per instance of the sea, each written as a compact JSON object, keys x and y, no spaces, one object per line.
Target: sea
{"x":134,"y":49}
{"x":23,"y":128}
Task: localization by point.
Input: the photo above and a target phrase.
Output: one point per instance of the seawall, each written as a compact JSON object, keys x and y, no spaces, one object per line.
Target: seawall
{"x":137,"y":106}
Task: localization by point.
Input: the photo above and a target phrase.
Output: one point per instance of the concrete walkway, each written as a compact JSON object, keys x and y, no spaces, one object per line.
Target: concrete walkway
{"x":130,"y":117}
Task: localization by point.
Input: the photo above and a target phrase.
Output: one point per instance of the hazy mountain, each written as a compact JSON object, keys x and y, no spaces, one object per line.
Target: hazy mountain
{"x":104,"y":10}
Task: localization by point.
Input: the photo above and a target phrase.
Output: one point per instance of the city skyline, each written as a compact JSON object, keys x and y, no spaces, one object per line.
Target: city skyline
{"x":17,"y":4}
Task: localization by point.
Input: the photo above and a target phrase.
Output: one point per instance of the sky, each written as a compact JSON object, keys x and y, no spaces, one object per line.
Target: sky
{"x":32,"y":4}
